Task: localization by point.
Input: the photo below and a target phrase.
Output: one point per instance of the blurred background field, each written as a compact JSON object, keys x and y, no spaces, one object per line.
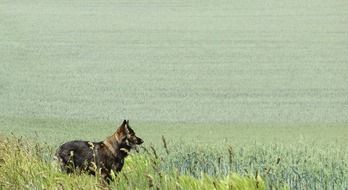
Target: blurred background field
{"x":221,"y":135}
{"x":191,"y":61}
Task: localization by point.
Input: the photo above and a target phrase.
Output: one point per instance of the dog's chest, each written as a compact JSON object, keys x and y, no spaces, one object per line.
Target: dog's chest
{"x":118,"y":164}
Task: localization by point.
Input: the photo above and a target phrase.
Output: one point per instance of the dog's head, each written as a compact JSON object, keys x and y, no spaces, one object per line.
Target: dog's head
{"x":127,"y":138}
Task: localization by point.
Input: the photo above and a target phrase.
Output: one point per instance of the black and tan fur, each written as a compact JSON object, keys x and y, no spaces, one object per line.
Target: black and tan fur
{"x":103,"y":157}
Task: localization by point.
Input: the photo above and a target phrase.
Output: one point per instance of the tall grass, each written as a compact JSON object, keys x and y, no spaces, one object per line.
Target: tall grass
{"x":298,"y":166}
{"x":30,"y":166}
{"x":177,"y":165}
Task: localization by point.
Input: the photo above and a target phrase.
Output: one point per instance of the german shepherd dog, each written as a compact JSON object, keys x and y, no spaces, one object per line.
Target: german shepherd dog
{"x":105,"y":157}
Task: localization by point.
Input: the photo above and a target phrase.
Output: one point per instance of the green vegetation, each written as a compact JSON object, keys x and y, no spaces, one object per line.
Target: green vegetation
{"x":183,"y":60}
{"x":29,"y":166}
{"x":57,"y":131}
{"x":237,"y":88}
{"x":306,"y":161}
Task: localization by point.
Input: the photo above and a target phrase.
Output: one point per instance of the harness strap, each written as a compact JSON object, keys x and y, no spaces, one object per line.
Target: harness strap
{"x":110,"y":147}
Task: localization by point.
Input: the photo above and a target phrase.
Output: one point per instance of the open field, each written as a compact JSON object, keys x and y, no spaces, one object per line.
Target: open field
{"x":175,"y":61}
{"x":267,"y":78}
{"x":54,"y":132}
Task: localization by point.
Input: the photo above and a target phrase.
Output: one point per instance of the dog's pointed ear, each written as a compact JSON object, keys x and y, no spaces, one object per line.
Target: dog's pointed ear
{"x":122,"y":128}
{"x":126,"y":126}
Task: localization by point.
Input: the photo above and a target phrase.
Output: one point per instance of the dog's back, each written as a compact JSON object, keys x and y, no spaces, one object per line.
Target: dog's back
{"x":75,"y":154}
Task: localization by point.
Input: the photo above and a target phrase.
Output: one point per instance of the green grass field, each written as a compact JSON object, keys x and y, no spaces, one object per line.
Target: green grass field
{"x":177,"y":61}
{"x":267,"y":78}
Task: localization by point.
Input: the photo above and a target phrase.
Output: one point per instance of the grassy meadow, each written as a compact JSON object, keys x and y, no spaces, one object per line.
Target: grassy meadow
{"x":248,"y":94}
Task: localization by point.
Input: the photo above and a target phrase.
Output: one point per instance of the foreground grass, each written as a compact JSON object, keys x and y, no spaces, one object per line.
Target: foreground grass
{"x":299,"y":157}
{"x":26,"y":165}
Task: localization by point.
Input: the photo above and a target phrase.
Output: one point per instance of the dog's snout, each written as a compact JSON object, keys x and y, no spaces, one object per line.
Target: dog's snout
{"x":140,"y":141}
